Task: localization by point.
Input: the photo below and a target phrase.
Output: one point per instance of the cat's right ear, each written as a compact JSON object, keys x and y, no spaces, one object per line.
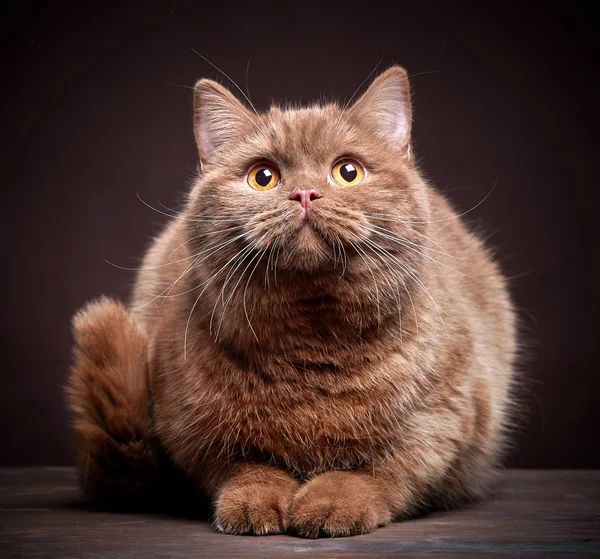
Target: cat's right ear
{"x":218,"y":118}
{"x":385,"y":107}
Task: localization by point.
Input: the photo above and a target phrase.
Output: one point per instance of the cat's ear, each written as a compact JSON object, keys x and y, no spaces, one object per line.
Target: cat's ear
{"x":218,"y":118}
{"x":385,"y":106}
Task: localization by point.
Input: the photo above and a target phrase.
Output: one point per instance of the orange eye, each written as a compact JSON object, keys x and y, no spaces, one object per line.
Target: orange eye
{"x":263,"y":176}
{"x":348,"y":172}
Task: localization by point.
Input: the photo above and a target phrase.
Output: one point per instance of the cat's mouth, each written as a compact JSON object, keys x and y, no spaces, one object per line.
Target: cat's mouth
{"x":306,"y":244}
{"x":306,"y":223}
{"x":308,"y":219}
{"x":308,"y":233}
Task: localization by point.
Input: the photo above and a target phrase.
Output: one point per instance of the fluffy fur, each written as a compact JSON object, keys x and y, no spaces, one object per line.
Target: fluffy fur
{"x":320,"y":372}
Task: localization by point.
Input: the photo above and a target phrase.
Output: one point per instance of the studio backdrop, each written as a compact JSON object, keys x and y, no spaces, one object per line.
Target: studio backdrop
{"x":96,"y":116}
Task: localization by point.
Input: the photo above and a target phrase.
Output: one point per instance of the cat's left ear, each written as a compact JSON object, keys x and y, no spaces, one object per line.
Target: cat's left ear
{"x":385,"y":107}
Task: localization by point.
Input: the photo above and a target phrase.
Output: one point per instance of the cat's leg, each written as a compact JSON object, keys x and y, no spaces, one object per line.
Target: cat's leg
{"x":109,"y":400}
{"x":252,"y":498}
{"x":343,"y":503}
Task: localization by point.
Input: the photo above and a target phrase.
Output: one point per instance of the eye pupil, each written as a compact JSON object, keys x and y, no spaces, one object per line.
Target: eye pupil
{"x":348,"y":172}
{"x":263,"y":177}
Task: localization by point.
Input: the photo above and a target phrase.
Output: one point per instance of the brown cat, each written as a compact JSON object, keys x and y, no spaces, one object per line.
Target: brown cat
{"x":316,"y":340}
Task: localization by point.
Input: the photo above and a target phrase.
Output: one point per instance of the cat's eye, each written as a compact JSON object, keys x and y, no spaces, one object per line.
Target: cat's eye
{"x":263,"y":176}
{"x":347,"y":172}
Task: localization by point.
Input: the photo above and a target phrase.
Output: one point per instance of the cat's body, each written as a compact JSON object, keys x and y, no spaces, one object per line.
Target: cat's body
{"x":325,"y":366}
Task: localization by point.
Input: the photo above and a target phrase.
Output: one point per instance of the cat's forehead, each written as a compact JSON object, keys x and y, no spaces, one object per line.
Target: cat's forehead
{"x":305,"y":133}
{"x":305,"y":117}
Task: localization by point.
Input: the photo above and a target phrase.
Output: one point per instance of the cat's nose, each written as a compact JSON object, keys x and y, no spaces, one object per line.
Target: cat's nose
{"x":305,"y":196}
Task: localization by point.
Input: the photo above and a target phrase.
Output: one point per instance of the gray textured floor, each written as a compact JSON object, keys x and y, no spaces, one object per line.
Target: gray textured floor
{"x":534,"y":514}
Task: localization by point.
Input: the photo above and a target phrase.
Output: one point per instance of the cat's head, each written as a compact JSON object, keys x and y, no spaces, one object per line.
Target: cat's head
{"x":311,"y":185}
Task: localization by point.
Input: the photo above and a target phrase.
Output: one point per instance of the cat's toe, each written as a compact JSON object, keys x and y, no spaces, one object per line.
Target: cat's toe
{"x":252,"y":509}
{"x":324,"y":508}
{"x":318,"y":517}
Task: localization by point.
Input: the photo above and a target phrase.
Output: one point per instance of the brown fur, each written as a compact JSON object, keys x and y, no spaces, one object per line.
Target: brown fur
{"x":108,"y":393}
{"x":323,"y":379}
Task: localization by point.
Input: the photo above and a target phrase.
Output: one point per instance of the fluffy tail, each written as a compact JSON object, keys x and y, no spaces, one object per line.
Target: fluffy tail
{"x":118,"y":457}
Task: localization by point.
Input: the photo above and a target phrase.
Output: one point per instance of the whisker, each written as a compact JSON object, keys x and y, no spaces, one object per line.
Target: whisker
{"x":231,"y":80}
{"x":376,"y":247}
{"x":393,"y":287}
{"x":194,"y":264}
{"x":414,"y":276}
{"x":246,"y":289}
{"x":151,"y":207}
{"x":180,"y":85}
{"x":440,"y":246}
{"x":246,"y":115}
{"x":398,"y":241}
{"x":343,"y":255}
{"x":172,"y":286}
{"x":377,"y":295}
{"x":179,"y":215}
{"x":211,"y":233}
{"x":167,"y":263}
{"x":230,"y":274}
{"x":247,"y":72}
{"x":404,"y":239}
{"x":275,"y":265}
{"x":385,"y":218}
{"x":425,"y":73}
{"x":336,"y":253}
{"x":343,"y":116}
{"x":200,"y":218}
{"x":235,"y":266}
{"x":206,"y":284}
{"x":363,"y":82}
{"x":267,"y":283}
{"x":167,"y":290}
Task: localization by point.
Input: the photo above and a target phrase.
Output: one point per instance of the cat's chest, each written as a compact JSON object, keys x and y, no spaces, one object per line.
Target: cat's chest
{"x":307,"y":418}
{"x":306,"y":428}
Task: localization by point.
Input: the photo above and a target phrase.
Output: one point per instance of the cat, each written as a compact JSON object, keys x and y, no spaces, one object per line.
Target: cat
{"x":316,"y":341}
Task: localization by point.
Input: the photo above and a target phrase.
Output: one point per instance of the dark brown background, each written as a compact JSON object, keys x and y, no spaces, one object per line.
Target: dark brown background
{"x":94,"y":111}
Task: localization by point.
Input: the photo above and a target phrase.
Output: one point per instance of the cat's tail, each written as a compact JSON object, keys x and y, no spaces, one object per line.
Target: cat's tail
{"x":108,"y":392}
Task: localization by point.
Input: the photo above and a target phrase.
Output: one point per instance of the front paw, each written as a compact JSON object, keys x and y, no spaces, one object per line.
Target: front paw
{"x":337,"y":504}
{"x":253,"y":508}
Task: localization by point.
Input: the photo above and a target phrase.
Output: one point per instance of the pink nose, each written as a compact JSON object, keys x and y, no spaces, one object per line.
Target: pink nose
{"x":305,"y":197}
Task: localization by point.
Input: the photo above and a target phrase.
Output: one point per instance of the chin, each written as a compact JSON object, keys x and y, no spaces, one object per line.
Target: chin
{"x":308,"y":252}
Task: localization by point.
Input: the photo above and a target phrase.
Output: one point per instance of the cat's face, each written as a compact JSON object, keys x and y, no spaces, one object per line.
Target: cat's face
{"x":307,"y":187}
